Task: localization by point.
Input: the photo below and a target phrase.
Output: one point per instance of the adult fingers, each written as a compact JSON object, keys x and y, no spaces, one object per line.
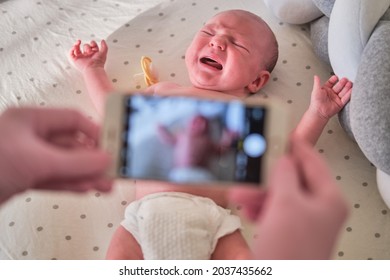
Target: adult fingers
{"x":99,"y":184}
{"x":72,"y":140}
{"x":284,"y":179}
{"x":49,"y":121}
{"x":315,"y":173}
{"x":249,"y":199}
{"x":76,"y":164}
{"x":319,"y":182}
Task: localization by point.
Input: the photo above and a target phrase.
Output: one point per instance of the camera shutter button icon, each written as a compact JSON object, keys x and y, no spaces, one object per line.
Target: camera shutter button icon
{"x":254,"y":145}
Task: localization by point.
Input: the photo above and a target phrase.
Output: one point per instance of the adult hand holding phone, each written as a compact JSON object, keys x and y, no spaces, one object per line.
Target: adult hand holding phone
{"x":50,"y":149}
{"x":300,"y":215}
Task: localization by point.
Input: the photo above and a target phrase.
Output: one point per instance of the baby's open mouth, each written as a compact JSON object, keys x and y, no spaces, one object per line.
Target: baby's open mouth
{"x":211,"y":62}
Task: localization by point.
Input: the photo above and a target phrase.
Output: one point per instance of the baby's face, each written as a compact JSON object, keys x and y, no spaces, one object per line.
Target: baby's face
{"x":227,"y":53}
{"x":198,"y":126}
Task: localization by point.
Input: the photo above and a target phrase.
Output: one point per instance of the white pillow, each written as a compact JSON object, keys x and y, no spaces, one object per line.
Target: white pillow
{"x":350,"y":27}
{"x":294,"y":11}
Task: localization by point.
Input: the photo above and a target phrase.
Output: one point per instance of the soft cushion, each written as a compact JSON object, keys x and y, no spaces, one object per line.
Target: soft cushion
{"x":369,"y":112}
{"x":351,"y":24}
{"x":294,"y":11}
{"x":325,"y":6}
{"x":319,"y":38}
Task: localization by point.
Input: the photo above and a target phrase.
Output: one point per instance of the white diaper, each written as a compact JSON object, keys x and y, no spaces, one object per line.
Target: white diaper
{"x":175,"y":225}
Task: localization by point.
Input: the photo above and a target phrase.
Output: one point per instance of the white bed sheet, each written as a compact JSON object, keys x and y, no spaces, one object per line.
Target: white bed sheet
{"x":35,"y":39}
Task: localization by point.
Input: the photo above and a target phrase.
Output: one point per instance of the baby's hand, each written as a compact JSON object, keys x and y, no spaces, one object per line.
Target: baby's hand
{"x":329,"y":99}
{"x":90,"y":57}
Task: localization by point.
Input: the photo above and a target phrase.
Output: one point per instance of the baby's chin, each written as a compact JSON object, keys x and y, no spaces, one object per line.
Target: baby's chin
{"x":221,"y":93}
{"x":214,"y":89}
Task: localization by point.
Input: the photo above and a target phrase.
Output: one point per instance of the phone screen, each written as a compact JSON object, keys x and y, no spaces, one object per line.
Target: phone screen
{"x":189,"y":140}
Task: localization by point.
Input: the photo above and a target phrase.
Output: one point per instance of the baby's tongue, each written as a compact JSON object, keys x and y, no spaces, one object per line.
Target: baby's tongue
{"x":212,"y":63}
{"x":215,"y":64}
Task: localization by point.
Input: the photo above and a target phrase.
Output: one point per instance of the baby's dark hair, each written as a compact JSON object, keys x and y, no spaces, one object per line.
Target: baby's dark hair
{"x":274,"y":54}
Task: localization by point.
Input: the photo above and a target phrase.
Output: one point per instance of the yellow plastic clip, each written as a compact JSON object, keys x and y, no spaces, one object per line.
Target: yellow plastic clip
{"x":149,"y":76}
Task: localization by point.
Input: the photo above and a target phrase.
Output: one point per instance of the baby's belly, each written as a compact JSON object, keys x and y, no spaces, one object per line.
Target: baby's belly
{"x":217,"y":194}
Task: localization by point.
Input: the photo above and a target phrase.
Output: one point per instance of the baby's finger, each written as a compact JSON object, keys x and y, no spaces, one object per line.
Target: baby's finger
{"x":346,"y":97}
{"x":103,"y":46}
{"x":94,"y":46}
{"x":345,"y":89}
{"x":331,"y":81}
{"x":87,"y":49}
{"x":75,"y":51}
{"x":72,"y":53}
{"x":317,"y":82}
{"x":340,"y":85}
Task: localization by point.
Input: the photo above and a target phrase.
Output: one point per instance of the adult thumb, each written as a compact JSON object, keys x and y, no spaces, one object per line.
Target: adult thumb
{"x":76,"y":164}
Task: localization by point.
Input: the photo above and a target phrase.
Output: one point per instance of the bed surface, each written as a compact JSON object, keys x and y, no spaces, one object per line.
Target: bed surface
{"x":35,"y":39}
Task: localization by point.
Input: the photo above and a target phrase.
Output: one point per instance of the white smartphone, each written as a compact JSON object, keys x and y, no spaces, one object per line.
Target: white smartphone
{"x":191,"y":140}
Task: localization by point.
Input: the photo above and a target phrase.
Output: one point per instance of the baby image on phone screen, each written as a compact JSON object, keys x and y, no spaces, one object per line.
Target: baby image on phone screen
{"x":194,"y":148}
{"x":204,"y":140}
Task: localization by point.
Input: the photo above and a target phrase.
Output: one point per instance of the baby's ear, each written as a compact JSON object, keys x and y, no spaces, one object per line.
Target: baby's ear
{"x":261,"y":80}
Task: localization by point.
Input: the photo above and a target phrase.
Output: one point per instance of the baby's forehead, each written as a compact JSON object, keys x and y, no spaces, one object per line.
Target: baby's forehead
{"x":237,"y":19}
{"x":237,"y":14}
{"x":242,"y":24}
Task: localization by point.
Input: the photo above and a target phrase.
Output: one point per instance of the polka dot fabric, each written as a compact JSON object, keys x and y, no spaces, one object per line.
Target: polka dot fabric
{"x":36,"y":37}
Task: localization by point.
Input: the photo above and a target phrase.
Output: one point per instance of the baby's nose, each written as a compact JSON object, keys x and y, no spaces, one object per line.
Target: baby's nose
{"x":218,"y":42}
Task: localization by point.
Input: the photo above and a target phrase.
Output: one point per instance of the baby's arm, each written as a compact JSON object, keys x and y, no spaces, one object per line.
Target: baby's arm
{"x":326,"y":101}
{"x":90,"y":62}
{"x":165,"y":135}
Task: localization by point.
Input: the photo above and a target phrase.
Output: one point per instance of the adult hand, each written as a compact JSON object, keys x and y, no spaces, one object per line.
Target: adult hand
{"x":52,"y":149}
{"x":302,"y":212}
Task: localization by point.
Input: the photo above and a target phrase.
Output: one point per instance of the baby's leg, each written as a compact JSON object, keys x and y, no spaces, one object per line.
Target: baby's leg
{"x":123,"y":246}
{"x":232,"y":247}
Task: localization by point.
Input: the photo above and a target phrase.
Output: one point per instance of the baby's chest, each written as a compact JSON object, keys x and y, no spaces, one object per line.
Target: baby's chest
{"x":165,"y":88}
